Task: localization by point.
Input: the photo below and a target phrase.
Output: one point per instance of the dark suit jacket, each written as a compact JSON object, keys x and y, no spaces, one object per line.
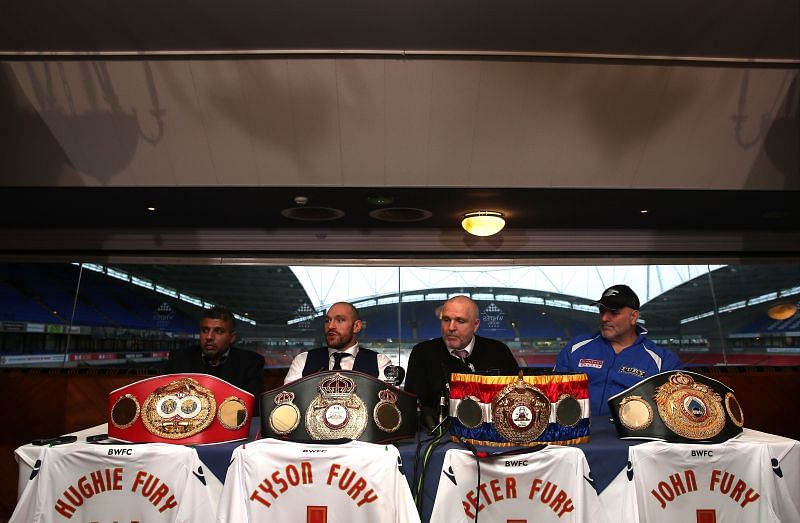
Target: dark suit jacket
{"x":243,"y":368}
{"x":430,"y":366}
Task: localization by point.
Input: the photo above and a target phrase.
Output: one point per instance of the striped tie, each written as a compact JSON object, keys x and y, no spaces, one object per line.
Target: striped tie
{"x":461,"y":354}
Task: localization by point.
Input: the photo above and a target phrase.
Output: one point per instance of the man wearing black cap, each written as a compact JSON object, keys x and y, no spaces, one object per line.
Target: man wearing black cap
{"x":619,"y":355}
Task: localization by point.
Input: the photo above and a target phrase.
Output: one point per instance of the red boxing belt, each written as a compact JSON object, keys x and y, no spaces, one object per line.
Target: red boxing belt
{"x":519,"y":410}
{"x":187,"y":409}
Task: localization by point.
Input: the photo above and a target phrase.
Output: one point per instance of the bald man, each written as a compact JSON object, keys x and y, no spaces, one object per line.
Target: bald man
{"x":458,"y":350}
{"x":342,"y":324}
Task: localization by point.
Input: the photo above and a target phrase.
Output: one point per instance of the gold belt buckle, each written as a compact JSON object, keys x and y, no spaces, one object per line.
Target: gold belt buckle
{"x":180,"y":409}
{"x":520,"y":412}
{"x":337,"y":411}
{"x":690,"y":409}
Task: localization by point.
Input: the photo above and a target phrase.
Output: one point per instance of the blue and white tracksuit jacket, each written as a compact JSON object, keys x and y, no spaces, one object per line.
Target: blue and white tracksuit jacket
{"x":611,"y":373}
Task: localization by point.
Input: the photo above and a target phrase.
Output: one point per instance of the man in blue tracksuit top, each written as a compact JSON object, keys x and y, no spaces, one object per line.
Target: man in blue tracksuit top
{"x":618,"y":356}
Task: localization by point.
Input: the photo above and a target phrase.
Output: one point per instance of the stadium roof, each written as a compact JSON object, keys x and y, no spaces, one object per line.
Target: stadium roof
{"x":325,"y":285}
{"x":671,"y":294}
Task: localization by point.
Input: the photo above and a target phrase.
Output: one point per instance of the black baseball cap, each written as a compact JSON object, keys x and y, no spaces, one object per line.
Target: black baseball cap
{"x":617,"y":297}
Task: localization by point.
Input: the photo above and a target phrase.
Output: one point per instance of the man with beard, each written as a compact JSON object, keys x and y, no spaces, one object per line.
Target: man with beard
{"x":457,"y":350}
{"x":620,"y":355}
{"x":217,"y":356}
{"x":342,"y":323}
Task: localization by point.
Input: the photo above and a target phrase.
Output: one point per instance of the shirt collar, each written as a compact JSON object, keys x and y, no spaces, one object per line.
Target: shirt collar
{"x":219,"y":361}
{"x":468,"y":348}
{"x":351,"y":350}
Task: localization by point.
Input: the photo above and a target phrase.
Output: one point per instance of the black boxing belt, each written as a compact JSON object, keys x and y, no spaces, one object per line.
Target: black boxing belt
{"x":503,"y":411}
{"x":338,"y":404}
{"x":677,"y":406}
{"x":187,"y":409}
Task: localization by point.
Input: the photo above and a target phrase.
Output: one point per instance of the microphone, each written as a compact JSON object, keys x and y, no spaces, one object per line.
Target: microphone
{"x":444,"y":395}
{"x":444,"y":400}
{"x":394,"y":375}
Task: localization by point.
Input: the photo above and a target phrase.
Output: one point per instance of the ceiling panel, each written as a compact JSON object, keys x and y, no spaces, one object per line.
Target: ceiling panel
{"x":570,"y":117}
{"x":466,"y":123}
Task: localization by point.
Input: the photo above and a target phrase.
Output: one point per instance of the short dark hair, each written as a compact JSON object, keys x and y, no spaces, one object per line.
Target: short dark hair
{"x":220,"y":313}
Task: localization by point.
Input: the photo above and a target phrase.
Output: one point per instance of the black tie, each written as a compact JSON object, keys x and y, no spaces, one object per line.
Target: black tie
{"x":337,"y":359}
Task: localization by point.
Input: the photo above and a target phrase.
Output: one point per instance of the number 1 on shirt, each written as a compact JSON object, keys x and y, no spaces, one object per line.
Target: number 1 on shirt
{"x":316,"y":514}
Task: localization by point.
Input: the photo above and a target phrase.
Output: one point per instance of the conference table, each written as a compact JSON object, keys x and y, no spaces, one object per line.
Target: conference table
{"x":606,"y":454}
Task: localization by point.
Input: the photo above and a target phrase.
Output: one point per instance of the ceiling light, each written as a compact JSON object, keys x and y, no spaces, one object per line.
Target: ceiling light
{"x":644,"y":211}
{"x":400,"y":214}
{"x":151,"y":209}
{"x":380,"y":200}
{"x":483,"y":223}
{"x":782,"y":311}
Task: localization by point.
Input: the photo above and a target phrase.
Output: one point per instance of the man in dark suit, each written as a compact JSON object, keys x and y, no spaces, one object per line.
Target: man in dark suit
{"x":458,"y":350}
{"x":217,"y":357}
{"x":342,"y":324}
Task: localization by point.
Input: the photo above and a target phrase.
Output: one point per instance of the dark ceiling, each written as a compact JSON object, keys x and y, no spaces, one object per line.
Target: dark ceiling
{"x":386,"y":208}
{"x":737,"y":29}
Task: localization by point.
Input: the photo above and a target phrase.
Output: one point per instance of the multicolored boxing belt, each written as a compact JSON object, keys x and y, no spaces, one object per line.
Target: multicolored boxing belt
{"x":187,"y":409}
{"x":678,"y":406}
{"x":519,"y":410}
{"x":338,"y":404}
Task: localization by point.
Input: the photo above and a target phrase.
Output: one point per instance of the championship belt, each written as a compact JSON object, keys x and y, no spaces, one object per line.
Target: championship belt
{"x":187,"y":409}
{"x":519,"y":410}
{"x":678,"y":406}
{"x":338,"y":404}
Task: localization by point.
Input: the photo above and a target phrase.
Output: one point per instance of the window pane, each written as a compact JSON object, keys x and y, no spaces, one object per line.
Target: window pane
{"x":132,"y":315}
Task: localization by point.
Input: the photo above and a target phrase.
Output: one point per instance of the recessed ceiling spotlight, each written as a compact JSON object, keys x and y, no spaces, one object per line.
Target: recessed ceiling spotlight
{"x":483,"y":223}
{"x":644,"y":211}
{"x":400,"y":214}
{"x":151,"y":209}
{"x":312,"y":214}
{"x":380,"y":200}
